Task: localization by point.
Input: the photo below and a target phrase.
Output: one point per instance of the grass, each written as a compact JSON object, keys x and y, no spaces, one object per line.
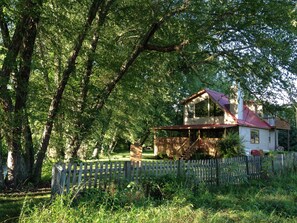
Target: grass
{"x":166,"y":200}
{"x":12,"y":204}
{"x":125,"y":156}
{"x":161,"y":200}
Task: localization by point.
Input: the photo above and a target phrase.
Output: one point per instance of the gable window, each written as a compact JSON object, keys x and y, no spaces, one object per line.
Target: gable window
{"x":201,"y":108}
{"x":214,"y":109}
{"x":207,"y":108}
{"x":255,"y":137}
{"x":190,"y":110}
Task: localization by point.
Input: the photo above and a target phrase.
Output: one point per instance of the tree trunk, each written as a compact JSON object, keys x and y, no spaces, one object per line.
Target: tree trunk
{"x":17,"y":170}
{"x":79,"y":125}
{"x":74,"y":146}
{"x":1,"y":163}
{"x":4,"y":28}
{"x":56,"y":100}
{"x":29,"y":148}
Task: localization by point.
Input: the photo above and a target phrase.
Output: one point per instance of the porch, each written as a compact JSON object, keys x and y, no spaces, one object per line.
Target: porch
{"x":182,"y":142}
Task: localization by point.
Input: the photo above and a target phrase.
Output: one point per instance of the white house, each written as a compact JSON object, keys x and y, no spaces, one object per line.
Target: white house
{"x":208,"y":115}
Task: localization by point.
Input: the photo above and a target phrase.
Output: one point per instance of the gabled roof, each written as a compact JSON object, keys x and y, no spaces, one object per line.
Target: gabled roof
{"x":250,"y":119}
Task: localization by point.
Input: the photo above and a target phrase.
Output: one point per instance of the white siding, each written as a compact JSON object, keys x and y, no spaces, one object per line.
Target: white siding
{"x":264,"y":143}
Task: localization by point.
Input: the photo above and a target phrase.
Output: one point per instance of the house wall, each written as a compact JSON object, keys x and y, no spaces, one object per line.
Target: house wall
{"x":267,"y":139}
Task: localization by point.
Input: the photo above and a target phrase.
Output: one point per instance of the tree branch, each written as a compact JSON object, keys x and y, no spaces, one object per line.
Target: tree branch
{"x":166,"y":49}
{"x":141,"y":46}
{"x":4,"y":29}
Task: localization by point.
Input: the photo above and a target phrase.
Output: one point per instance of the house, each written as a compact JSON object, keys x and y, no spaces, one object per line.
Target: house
{"x":208,"y":116}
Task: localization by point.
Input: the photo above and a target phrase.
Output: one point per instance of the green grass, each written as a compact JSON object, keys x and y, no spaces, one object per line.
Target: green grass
{"x":125,"y":156}
{"x":12,"y":204}
{"x":166,"y":200}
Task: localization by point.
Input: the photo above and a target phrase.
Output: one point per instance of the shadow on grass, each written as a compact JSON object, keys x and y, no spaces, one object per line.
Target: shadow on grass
{"x":11,"y":204}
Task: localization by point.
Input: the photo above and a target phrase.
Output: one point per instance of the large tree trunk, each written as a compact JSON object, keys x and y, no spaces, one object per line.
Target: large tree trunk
{"x":56,"y":100}
{"x":17,"y":172}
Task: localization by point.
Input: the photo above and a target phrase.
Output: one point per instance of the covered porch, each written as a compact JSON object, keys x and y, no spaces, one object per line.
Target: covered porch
{"x":183,"y":141}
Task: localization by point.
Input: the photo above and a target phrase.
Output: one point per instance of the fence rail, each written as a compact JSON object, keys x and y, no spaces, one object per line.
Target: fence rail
{"x":212,"y":171}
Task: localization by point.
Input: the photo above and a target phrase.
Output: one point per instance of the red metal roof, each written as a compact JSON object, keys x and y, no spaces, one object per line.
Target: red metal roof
{"x":220,"y":98}
{"x":250,"y":119}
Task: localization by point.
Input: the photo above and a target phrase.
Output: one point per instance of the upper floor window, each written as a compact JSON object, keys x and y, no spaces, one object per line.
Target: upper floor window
{"x":207,"y":108}
{"x":255,"y":137}
{"x":214,"y":109}
{"x":190,"y":110}
{"x":201,"y":108}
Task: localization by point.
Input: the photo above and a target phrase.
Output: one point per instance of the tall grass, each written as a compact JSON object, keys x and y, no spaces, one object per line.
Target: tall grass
{"x":168,"y":200}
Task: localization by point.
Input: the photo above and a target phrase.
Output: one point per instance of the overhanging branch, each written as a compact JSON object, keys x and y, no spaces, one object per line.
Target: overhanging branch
{"x":169,"y":48}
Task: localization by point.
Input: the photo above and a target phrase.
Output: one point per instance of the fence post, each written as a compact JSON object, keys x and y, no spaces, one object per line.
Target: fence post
{"x":56,"y":180}
{"x":127,"y":170}
{"x":63,"y":178}
{"x":247,"y":167}
{"x":54,"y":183}
{"x":217,"y":172}
{"x":272,"y":165}
{"x":282,"y":163}
{"x":178,"y":169}
{"x":294,"y":161}
{"x":261,"y":167}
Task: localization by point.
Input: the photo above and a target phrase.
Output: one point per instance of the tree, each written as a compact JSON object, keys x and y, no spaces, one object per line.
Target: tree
{"x":66,"y":65}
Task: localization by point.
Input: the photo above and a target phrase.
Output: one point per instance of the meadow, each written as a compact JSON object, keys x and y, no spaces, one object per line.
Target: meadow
{"x":169,"y":200}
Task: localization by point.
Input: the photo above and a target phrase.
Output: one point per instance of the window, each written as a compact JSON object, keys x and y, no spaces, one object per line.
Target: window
{"x":190,"y":111}
{"x":207,"y":108}
{"x":255,"y":139}
{"x":201,"y":108}
{"x":215,"y":110}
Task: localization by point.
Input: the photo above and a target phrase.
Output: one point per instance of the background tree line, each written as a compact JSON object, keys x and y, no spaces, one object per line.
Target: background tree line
{"x":93,"y":73}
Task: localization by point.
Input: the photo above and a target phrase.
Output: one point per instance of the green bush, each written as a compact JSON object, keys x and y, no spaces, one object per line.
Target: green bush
{"x":231,"y":145}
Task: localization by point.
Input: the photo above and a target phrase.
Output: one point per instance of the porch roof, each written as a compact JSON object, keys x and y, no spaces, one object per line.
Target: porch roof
{"x":203,"y":126}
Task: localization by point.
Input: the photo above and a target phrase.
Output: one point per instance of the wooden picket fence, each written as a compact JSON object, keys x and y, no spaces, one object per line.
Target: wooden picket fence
{"x":235,"y":170}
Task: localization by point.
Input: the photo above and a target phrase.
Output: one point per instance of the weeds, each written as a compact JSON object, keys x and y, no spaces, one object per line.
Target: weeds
{"x":169,"y":200}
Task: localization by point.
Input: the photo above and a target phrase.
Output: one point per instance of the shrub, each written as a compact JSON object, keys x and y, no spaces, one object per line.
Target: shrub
{"x":231,"y":145}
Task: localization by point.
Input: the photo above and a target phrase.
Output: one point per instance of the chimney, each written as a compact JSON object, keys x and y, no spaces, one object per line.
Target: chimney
{"x":236,"y":101}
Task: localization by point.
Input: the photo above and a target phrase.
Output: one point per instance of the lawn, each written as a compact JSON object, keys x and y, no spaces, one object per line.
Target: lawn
{"x":125,"y":156}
